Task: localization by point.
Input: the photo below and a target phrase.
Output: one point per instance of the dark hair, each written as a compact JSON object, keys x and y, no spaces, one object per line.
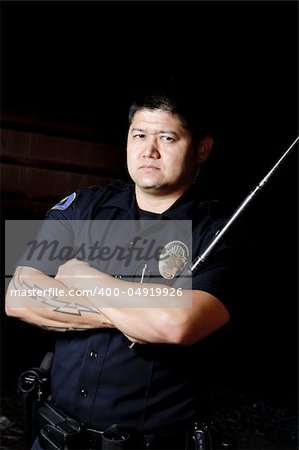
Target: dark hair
{"x":175,"y":100}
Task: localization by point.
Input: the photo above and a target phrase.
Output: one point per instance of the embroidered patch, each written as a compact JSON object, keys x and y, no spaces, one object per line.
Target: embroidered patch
{"x":65,"y":202}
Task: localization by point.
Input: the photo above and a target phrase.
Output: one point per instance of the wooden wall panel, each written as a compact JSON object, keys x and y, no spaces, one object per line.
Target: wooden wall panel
{"x":34,"y":183}
{"x":37,"y":149}
{"x":38,"y":170}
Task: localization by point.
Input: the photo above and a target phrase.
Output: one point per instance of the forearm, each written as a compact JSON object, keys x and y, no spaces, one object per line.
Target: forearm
{"x":199,"y":315}
{"x":135,"y":309}
{"x":175,"y":316}
{"x":46,"y":302}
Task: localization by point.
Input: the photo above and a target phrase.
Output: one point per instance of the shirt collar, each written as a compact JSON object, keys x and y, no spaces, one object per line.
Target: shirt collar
{"x":125,"y":199}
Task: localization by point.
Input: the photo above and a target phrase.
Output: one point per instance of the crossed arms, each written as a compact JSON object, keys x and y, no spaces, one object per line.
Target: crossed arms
{"x":41,"y":306}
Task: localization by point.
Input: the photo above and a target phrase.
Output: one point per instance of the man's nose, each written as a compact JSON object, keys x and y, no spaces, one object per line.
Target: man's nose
{"x":151,"y":149}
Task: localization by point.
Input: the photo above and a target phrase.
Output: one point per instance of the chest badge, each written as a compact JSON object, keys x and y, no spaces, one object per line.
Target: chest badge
{"x":173,"y":259}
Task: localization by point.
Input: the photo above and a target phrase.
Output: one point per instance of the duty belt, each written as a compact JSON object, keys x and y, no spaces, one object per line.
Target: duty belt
{"x":59,"y":431}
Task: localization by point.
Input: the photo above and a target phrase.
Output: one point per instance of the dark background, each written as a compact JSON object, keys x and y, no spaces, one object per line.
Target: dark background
{"x":78,"y":64}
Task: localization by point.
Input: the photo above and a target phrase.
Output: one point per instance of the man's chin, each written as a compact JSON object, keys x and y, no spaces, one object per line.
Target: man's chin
{"x":148,"y":187}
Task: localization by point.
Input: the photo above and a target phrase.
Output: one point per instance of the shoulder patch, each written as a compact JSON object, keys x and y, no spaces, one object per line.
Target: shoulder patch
{"x":65,"y":202}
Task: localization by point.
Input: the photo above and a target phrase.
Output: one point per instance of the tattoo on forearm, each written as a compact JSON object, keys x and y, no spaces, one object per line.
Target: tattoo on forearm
{"x":56,"y":328}
{"x":56,"y":303}
{"x":52,"y":328}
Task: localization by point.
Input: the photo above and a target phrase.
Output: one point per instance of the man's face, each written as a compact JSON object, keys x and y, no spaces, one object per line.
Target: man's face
{"x":160,"y":153}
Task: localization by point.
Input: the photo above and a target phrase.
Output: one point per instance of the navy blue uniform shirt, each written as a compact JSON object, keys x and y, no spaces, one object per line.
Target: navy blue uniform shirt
{"x":96,"y":377}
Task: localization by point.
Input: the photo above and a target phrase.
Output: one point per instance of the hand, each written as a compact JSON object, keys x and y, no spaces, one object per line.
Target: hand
{"x":134,"y":340}
{"x":70,"y":271}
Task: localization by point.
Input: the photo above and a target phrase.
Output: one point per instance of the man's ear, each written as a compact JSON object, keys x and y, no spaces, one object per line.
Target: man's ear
{"x":204,"y":148}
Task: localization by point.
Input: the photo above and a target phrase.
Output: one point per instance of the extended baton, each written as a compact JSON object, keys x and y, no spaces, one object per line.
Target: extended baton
{"x":202,"y":258}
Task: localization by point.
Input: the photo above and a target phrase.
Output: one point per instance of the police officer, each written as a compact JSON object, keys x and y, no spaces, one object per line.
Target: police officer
{"x":133,"y":365}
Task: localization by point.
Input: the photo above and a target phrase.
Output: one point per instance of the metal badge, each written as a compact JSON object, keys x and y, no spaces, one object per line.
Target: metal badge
{"x":173,"y":259}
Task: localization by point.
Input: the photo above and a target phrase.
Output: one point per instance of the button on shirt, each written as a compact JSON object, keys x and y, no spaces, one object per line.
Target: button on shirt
{"x":96,"y":377}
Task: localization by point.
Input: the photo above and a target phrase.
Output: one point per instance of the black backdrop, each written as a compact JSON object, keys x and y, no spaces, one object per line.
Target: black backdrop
{"x":81,"y":61}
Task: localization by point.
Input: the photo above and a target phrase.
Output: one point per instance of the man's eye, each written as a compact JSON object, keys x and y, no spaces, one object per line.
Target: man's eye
{"x":167,"y":138}
{"x":138,"y":136}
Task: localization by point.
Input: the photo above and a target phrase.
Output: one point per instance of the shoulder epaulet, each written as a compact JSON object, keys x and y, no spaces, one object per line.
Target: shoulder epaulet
{"x":119,"y":185}
{"x":114,"y":186}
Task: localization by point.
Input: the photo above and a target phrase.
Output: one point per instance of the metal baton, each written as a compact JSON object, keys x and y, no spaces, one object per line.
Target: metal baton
{"x":202,"y":258}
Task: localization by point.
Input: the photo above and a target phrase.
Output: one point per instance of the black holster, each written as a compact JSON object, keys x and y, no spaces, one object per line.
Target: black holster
{"x":57,"y":429}
{"x":33,"y":388}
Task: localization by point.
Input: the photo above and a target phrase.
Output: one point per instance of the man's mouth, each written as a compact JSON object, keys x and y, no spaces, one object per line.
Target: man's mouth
{"x":148,"y":167}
